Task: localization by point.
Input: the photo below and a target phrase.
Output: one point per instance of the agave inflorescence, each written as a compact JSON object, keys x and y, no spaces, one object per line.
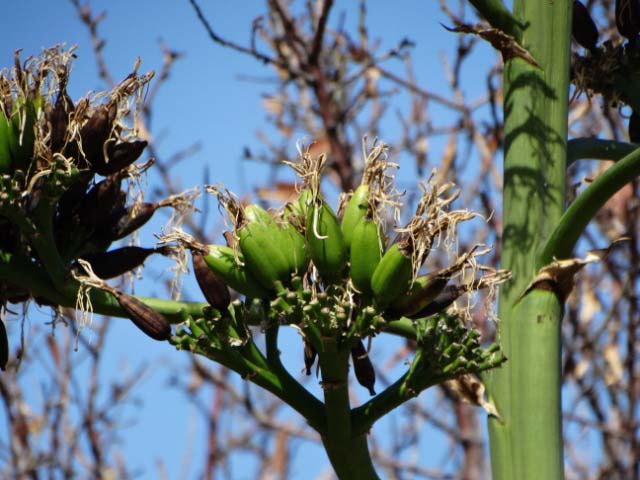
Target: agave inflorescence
{"x":334,"y":276}
{"x":63,"y":172}
{"x":337,"y":276}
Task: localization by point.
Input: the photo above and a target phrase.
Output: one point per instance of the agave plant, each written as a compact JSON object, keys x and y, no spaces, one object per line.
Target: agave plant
{"x":337,"y":278}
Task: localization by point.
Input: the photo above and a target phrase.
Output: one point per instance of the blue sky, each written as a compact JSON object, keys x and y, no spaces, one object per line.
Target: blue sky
{"x":203,"y":102}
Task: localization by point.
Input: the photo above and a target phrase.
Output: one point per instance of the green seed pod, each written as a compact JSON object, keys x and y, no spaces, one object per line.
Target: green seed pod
{"x":363,"y":368}
{"x":212,"y":286}
{"x":255,"y":213}
{"x":583,"y":28}
{"x":152,"y":323}
{"x":6,"y":161}
{"x":263,"y":245}
{"x":325,"y":242}
{"x":365,"y":253}
{"x":22,"y":125}
{"x":222,"y":261}
{"x":392,"y":277}
{"x":355,"y":210}
{"x":300,"y":208}
{"x":424,"y":290}
{"x":297,"y":246}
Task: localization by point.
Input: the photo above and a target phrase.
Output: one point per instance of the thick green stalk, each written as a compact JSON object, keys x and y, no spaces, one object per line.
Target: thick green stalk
{"x":348,"y":453}
{"x":402,"y":327}
{"x":527,"y":443}
{"x":293,"y":393}
{"x":586,"y":205}
{"x":596,"y":148}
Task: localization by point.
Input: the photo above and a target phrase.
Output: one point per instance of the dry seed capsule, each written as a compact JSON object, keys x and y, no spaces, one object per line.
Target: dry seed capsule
{"x":117,"y":262}
{"x":99,"y":201}
{"x":95,"y":132}
{"x":363,"y":368}
{"x":84,"y":221}
{"x":152,"y":323}
{"x":121,"y":155}
{"x":634,"y":127}
{"x":583,"y":28}
{"x":4,"y":346}
{"x":445,"y":298}
{"x":424,"y":290}
{"x":213,"y":288}
{"x":628,"y":18}
{"x":127,"y":220}
{"x":309,"y":356}
{"x":58,"y":119}
{"x":74,"y":195}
